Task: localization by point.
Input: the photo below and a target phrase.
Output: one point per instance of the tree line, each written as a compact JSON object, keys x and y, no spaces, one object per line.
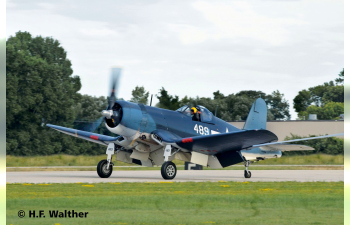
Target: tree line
{"x":41,"y":88}
{"x":229,"y":108}
{"x":326,"y":100}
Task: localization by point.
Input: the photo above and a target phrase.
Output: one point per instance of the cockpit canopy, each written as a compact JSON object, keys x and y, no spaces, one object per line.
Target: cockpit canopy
{"x":206,"y":115}
{"x":184,"y":110}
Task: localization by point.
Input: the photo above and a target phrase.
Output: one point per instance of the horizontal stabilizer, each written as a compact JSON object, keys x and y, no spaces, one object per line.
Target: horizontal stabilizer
{"x":89,"y":136}
{"x":295,"y":140}
{"x":285,"y":147}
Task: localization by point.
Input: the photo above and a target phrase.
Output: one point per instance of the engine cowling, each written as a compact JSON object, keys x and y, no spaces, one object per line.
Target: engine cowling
{"x":125,"y":119}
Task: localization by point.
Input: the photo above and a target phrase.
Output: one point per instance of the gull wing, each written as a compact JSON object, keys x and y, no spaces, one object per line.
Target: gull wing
{"x":233,"y":141}
{"x":89,"y":136}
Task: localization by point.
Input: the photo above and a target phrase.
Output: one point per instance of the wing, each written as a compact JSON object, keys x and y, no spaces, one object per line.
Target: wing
{"x":216,"y":143}
{"x":281,"y":146}
{"x":93,"y":137}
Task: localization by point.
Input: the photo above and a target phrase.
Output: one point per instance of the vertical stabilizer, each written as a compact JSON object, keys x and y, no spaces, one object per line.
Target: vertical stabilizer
{"x":257,"y":116}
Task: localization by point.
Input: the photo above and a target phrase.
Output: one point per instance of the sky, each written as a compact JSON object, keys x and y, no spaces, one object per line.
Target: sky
{"x":192,"y":48}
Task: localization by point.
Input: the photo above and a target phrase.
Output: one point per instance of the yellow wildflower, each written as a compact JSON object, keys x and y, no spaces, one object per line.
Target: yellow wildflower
{"x":266,"y":189}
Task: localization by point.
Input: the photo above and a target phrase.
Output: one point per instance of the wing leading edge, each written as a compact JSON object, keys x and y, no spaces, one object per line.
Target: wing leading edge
{"x":89,"y":136}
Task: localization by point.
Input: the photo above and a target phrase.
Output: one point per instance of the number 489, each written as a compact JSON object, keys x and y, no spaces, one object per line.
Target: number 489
{"x":201,"y":130}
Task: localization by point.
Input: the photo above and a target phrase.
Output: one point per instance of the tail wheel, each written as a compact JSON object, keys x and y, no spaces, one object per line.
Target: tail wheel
{"x":102,"y":170}
{"x":168,"y":170}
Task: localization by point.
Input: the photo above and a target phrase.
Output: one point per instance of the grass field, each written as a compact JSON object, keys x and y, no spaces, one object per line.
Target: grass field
{"x":69,"y":160}
{"x":181,"y":203}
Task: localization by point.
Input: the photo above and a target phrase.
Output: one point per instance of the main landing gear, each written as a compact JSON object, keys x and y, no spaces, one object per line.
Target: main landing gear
{"x":247,"y":173}
{"x":105,"y":167}
{"x":103,"y":170}
{"x":168,"y":169}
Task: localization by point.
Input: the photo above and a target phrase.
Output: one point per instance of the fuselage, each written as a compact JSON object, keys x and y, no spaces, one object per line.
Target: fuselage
{"x":139,"y":118}
{"x":138,"y":121}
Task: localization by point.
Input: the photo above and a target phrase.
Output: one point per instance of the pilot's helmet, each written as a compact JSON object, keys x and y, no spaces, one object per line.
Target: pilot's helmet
{"x":194,"y":110}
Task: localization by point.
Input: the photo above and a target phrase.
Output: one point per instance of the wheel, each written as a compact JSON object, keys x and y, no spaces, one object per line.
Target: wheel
{"x":102,"y":169}
{"x":168,"y":170}
{"x":247,"y":174}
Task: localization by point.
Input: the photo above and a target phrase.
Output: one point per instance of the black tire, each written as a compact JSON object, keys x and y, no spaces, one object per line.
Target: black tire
{"x":247,"y":174}
{"x":168,"y":170}
{"x":102,"y":171}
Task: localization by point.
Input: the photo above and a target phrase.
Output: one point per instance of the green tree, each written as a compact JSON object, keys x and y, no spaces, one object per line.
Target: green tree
{"x":334,"y":94}
{"x":40,"y":88}
{"x":302,"y":101}
{"x":330,"y":111}
{"x":278,"y":106}
{"x":167,"y":101}
{"x":320,"y":95}
{"x":218,"y":95}
{"x":340,"y":79}
{"x":252,"y":94}
{"x":139,"y":95}
{"x":237,"y":106}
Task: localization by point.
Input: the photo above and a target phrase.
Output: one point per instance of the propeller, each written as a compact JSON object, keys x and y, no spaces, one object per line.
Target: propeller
{"x":114,"y":86}
{"x":109,"y":113}
{"x":92,"y":126}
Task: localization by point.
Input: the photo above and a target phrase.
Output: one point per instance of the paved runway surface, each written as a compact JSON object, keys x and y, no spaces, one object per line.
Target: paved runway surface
{"x":182,"y":176}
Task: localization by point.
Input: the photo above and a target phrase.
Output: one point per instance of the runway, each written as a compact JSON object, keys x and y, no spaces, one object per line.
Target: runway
{"x":182,"y":176}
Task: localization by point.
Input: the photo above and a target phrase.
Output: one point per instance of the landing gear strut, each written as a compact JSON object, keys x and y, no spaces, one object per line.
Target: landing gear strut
{"x":168,"y":169}
{"x":247,"y":173}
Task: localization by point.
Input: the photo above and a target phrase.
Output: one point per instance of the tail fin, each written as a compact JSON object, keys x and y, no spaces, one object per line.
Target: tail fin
{"x":257,"y":116}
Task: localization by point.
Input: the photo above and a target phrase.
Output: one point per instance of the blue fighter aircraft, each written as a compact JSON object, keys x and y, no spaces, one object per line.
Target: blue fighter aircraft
{"x":150,"y":136}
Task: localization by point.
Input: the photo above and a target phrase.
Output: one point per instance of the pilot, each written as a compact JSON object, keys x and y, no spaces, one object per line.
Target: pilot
{"x":195,"y":113}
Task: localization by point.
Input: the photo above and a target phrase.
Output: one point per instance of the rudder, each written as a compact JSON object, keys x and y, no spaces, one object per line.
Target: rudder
{"x":257,"y":116}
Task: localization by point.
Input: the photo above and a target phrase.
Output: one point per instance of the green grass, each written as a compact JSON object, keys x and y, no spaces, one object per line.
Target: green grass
{"x":181,"y":203}
{"x":82,"y":160}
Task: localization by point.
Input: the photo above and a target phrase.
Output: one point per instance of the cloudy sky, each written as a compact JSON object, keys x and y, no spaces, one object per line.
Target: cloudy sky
{"x":193,"y":47}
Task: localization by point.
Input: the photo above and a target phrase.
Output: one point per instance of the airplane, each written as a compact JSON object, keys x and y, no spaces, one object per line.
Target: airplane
{"x":151,"y":136}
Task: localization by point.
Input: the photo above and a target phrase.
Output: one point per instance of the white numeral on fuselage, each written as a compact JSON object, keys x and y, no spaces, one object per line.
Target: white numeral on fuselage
{"x":201,"y":130}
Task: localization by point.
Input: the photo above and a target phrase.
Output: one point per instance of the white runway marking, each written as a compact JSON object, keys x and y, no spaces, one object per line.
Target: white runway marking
{"x":182,"y":176}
